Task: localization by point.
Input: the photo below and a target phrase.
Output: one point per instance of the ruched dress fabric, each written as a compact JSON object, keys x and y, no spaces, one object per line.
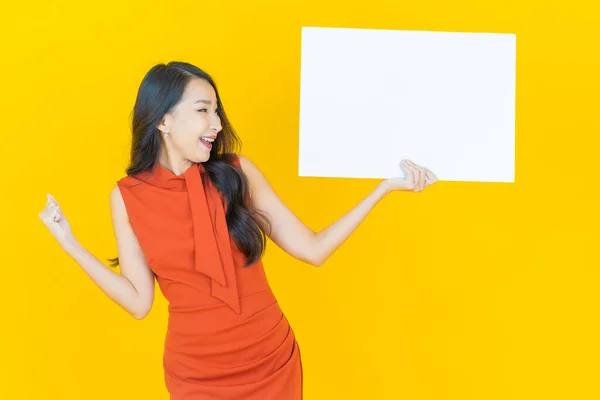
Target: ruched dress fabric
{"x":227,"y":338}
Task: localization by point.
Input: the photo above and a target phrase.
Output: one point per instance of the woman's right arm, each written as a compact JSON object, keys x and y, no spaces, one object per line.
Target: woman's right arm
{"x":133,"y":288}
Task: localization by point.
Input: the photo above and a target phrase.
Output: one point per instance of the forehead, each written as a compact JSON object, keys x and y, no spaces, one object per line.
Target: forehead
{"x":198,"y":89}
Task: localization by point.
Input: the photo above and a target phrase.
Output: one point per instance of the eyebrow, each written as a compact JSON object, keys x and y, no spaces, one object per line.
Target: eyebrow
{"x":203,"y":101}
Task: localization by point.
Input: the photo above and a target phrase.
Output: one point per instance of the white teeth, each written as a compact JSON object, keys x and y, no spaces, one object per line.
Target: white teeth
{"x":209,"y":140}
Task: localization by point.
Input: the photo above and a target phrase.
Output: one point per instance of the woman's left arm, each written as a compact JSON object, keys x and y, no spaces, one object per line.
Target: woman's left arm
{"x":301,"y":242}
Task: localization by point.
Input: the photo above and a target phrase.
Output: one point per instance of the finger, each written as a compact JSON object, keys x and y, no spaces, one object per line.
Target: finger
{"x":46,"y":216}
{"x":431,"y":178}
{"x":417,"y":175}
{"x":423,"y":178}
{"x":50,"y":214}
{"x":403,"y":165}
{"x":49,"y":209}
{"x":410,"y":175}
{"x":418,"y":179}
{"x":415,"y":165}
{"x":52,"y":200}
{"x":46,"y":219}
{"x":423,"y":174}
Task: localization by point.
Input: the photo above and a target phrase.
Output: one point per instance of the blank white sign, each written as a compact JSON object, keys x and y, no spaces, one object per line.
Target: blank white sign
{"x":370,"y":98}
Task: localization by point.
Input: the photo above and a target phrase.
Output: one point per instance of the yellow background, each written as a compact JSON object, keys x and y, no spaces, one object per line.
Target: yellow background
{"x":465,"y":291}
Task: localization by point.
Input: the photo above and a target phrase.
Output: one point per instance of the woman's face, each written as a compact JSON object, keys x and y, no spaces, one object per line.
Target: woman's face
{"x":192,"y":124}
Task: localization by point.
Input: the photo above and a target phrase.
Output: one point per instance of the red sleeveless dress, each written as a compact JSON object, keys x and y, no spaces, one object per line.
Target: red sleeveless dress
{"x":227,"y":338}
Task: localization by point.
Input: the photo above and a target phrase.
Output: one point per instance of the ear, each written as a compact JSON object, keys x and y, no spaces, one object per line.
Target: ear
{"x":164,"y":124}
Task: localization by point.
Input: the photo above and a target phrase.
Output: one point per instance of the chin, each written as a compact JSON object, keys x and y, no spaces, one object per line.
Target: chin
{"x":200,"y":158}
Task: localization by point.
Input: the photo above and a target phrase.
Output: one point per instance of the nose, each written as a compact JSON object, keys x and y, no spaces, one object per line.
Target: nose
{"x":215,"y":124}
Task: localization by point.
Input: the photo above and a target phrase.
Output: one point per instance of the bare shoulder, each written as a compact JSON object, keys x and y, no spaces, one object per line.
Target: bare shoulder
{"x":245,"y":162}
{"x":116,"y":199}
{"x":248,"y":166}
{"x":256,"y":179}
{"x":117,"y":205}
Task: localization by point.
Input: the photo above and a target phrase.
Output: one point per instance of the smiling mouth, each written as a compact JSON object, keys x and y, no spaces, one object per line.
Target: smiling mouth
{"x":207,"y":142}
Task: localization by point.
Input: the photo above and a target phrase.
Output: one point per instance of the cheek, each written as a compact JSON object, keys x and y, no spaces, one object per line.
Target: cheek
{"x":196,"y":123}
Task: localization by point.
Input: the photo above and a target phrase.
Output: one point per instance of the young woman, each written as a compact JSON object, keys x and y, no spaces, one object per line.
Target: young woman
{"x":195,"y":215}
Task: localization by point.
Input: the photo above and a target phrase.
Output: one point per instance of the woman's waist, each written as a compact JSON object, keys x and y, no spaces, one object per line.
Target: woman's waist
{"x":254,"y":349}
{"x":219,"y":318}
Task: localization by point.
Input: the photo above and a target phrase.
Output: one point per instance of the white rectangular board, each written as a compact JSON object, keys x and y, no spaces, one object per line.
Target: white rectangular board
{"x":445,"y":100}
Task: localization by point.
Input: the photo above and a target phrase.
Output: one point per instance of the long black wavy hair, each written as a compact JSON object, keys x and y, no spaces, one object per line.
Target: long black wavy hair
{"x":161,"y":89}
